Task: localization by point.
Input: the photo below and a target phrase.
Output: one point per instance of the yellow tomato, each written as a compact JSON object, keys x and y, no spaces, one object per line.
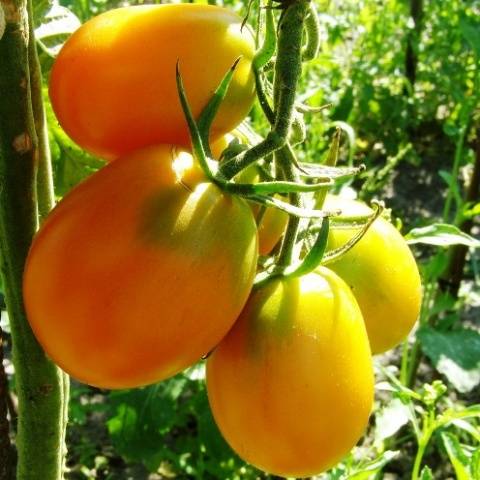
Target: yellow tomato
{"x":291,"y":385}
{"x":113,"y":85}
{"x":382,"y":273}
{"x":139,"y":271}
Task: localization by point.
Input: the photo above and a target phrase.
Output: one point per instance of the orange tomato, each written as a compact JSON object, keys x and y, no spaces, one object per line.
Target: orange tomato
{"x":382,"y":273}
{"x":291,"y":385}
{"x":139,"y":271}
{"x":113,"y":85}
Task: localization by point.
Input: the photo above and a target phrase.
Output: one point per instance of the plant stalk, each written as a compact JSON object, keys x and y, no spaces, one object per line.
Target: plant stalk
{"x":411,"y":58}
{"x":452,"y":277}
{"x":39,"y":383}
{"x":45,"y":194}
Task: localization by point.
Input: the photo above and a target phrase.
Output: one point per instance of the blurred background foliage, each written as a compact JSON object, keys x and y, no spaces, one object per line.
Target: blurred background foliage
{"x":403,"y":78}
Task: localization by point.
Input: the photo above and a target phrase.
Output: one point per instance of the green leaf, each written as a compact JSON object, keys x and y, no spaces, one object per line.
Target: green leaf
{"x":475,"y":464}
{"x":455,"y":353}
{"x":390,"y":419}
{"x":4,"y":322}
{"x":56,"y":26}
{"x":450,"y":416}
{"x":470,"y":29}
{"x":426,"y":474}
{"x":373,"y":467}
{"x":40,"y":8}
{"x":441,"y":234}
{"x":344,"y":106}
{"x":467,"y":427}
{"x":71,"y":164}
{"x":457,"y":456}
{"x":471,"y":211}
{"x":171,"y":423}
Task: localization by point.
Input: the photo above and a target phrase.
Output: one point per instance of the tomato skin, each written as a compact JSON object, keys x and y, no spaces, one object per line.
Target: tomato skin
{"x":270,"y":229}
{"x":113,"y":85}
{"x":134,"y":275}
{"x":383,"y":276}
{"x":291,"y":385}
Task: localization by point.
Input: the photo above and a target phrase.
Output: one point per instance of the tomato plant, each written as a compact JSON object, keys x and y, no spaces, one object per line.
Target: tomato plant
{"x":271,"y":221}
{"x":139,"y":271}
{"x":291,"y":385}
{"x":382,"y":273}
{"x":113,"y":88}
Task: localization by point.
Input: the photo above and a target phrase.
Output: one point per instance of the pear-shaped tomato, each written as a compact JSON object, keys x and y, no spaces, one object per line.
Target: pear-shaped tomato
{"x":382,"y":273}
{"x":113,"y":85}
{"x":291,"y":385}
{"x":139,"y":271}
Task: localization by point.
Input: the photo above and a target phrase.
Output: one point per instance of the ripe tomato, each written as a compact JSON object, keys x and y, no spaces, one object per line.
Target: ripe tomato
{"x":291,"y":385}
{"x":382,"y":273}
{"x":139,"y":271}
{"x":113,"y":86}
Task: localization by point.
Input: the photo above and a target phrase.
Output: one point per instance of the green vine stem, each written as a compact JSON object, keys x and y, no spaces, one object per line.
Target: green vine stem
{"x":265,"y":53}
{"x":312,"y":27}
{"x":39,"y":383}
{"x":333,"y":255}
{"x":451,"y":278}
{"x":45,"y":194}
{"x":45,"y":188}
{"x":308,"y":264}
{"x":331,"y":161}
{"x":287,"y":248}
{"x":288,"y":67}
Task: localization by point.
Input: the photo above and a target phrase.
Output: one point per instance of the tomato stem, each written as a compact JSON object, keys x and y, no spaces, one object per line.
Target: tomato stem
{"x":331,"y":161}
{"x":262,"y":97}
{"x":338,"y":252}
{"x":292,"y":210}
{"x":312,"y":27}
{"x":286,"y":254}
{"x":267,"y":50}
{"x":288,"y":67}
{"x":45,"y":192}
{"x":199,"y":144}
{"x":208,"y":113}
{"x":315,"y":255}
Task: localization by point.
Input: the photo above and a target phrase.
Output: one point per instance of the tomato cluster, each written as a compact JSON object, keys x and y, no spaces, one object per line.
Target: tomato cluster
{"x":291,"y":385}
{"x":147,"y":266}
